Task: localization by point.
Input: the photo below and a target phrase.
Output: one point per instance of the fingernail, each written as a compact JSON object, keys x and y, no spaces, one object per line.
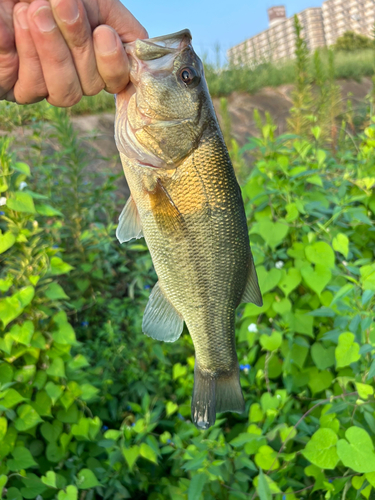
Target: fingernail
{"x":67,"y":10}
{"x":44,"y":19}
{"x":106,"y":41}
{"x":22,"y":18}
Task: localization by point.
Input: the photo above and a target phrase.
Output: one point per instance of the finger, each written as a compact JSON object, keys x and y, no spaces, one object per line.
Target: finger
{"x":60,"y":75}
{"x":71,"y":18}
{"x":8,"y":53}
{"x":116,"y":15}
{"x":30,"y":86}
{"x":111,"y":59}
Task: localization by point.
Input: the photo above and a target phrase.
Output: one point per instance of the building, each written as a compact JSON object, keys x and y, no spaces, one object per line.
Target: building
{"x":340,"y":16}
{"x":321,"y":27}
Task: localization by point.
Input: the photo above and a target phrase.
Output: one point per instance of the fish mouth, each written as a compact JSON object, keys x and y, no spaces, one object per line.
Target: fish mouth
{"x":156,"y":55}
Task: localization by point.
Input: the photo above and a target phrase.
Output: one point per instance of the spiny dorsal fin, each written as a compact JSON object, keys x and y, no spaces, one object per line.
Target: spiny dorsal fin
{"x":129,"y":225}
{"x":161,"y":321}
{"x":252,"y":291}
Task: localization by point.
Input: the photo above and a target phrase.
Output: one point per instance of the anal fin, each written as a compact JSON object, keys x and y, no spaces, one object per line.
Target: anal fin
{"x":252,"y":291}
{"x":161,"y":321}
{"x":129,"y":225}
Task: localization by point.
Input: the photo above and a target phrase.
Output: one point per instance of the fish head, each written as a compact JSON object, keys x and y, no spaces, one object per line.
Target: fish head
{"x":161,"y":117}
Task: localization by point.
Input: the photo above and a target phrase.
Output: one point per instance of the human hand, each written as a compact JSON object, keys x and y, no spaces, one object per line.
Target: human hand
{"x":8,"y":53}
{"x":70,"y":48}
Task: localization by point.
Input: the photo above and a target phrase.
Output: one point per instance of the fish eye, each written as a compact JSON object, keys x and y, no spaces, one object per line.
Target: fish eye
{"x":189,"y":77}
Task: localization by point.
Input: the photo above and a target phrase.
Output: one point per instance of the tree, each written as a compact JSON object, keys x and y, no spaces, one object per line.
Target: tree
{"x":353,"y":41}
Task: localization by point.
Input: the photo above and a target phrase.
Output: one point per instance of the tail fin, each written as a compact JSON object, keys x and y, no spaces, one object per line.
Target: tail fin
{"x":215,"y":394}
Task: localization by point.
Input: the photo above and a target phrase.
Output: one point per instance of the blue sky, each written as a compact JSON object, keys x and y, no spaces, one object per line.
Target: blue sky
{"x":211,"y":22}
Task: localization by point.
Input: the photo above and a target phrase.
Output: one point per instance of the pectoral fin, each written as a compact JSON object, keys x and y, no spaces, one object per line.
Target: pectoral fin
{"x":129,"y":225}
{"x":252,"y":291}
{"x":161,"y":321}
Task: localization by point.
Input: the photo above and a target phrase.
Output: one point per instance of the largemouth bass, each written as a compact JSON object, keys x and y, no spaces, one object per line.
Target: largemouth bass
{"x":186,"y":202}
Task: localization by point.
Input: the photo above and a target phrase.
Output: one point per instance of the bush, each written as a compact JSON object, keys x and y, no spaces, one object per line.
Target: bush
{"x":91,"y":408}
{"x":350,"y":41}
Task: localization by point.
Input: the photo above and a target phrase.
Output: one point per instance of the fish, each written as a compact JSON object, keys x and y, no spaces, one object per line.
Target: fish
{"x":187,"y":204}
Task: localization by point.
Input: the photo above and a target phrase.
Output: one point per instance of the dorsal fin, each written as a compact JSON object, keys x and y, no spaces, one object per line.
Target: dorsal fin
{"x":252,"y":291}
{"x":129,"y":225}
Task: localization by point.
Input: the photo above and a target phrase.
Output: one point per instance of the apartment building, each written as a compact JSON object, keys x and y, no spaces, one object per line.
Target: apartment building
{"x":321,"y":27}
{"x":347,"y":15}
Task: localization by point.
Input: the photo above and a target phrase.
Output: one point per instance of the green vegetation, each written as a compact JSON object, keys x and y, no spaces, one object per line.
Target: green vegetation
{"x":350,"y":41}
{"x":92,"y":409}
{"x":222,"y":81}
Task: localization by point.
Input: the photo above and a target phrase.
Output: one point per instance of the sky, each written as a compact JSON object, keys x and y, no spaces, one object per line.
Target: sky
{"x":211,"y":22}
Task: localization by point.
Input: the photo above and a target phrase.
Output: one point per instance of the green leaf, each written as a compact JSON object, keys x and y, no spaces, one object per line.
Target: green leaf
{"x":317,"y":279}
{"x":147,"y":452}
{"x":33,"y":486}
{"x":55,"y":292}
{"x":7,"y":240}
{"x":49,"y":479}
{"x":65,"y":334}
{"x":10,"y":309}
{"x":3,"y":428}
{"x":271,"y":342}
{"x":357,"y":452}
{"x":263,"y":488}
{"x":255,"y":413}
{"x":364,"y":390}
{"x":58,"y":266}
{"x":22,"y":459}
{"x":87,"y":479}
{"x":70,"y":494}
{"x":321,"y":449}
{"x":56,"y":368}
{"x":54,"y":391}
{"x":6,"y":374}
{"x":179,"y":371}
{"x":268,"y":280}
{"x":14,"y":494}
{"x":266,"y":458}
{"x":290,"y":281}
{"x":11,"y":398}
{"x":22,"y":333}
{"x":341,"y":244}
{"x":3,"y":482}
{"x":22,"y":167}
{"x":54,"y":453}
{"x":282,"y":306}
{"x":88,"y":392}
{"x":273,"y":233}
{"x":319,"y":381}
{"x":196,"y":486}
{"x":27,"y":418}
{"x":47,"y":210}
{"x":322,"y":357}
{"x":25,"y":295}
{"x":131,"y":455}
{"x":315,"y":179}
{"x":171,"y":408}
{"x":51,"y":431}
{"x":320,"y":253}
{"x":21,"y":202}
{"x":42,"y":404}
{"x":347,"y":351}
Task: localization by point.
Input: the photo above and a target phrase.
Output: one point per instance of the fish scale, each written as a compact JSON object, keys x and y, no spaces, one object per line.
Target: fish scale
{"x":190,"y":211}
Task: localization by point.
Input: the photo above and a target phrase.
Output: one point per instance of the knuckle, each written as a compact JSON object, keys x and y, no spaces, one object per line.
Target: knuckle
{"x":94,"y":89}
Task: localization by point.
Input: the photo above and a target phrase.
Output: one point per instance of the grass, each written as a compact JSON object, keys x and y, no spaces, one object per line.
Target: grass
{"x":221,"y":82}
